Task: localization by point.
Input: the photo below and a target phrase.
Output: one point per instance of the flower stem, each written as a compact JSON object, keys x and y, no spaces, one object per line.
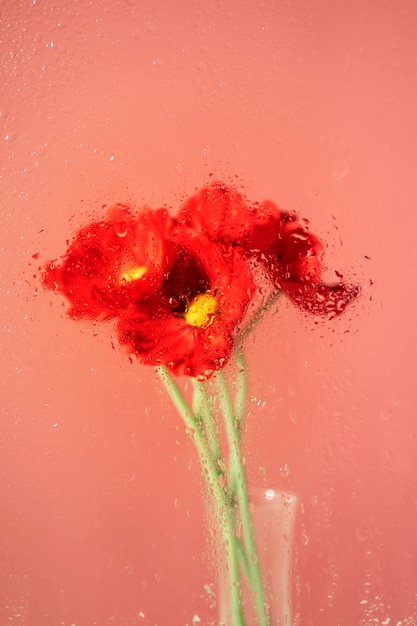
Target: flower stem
{"x":241,"y":387}
{"x":202,"y":407}
{"x":261,"y":311}
{"x":237,"y":481}
{"x":222,"y":507}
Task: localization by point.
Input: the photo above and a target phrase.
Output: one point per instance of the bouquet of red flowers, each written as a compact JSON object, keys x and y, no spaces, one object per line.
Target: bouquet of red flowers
{"x":185,"y":291}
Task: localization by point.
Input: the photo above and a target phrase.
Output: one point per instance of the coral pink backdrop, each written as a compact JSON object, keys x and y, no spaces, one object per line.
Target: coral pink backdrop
{"x":311,"y":104}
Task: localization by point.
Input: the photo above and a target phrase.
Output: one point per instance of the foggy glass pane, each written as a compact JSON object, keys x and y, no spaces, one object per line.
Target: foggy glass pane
{"x":310,"y":105}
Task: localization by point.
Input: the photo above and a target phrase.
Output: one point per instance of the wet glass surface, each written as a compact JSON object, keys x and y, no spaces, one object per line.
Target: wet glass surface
{"x":311,"y":105}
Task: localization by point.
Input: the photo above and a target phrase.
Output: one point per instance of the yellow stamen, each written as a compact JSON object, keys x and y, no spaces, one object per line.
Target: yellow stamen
{"x":201,"y":311}
{"x":134,"y":273}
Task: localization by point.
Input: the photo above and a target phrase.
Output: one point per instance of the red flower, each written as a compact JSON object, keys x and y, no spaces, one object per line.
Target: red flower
{"x":112,"y":262}
{"x":179,"y":288}
{"x":178,"y":296}
{"x":188,"y":325}
{"x":291,"y":255}
{"x":218,"y":211}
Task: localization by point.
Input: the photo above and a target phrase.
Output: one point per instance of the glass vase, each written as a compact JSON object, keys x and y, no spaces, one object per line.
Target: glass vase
{"x":273,"y":514}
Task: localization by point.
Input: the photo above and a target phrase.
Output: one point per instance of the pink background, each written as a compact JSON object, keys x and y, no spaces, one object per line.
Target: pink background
{"x":311,"y":104}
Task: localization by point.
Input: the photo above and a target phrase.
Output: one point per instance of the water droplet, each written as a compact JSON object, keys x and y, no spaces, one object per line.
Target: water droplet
{"x":293,"y":417}
{"x":269,"y":494}
{"x":209,"y":590}
{"x":385,"y":415}
{"x":329,"y":600}
{"x":284,"y":470}
{"x":10,"y":135}
{"x":362,"y":533}
{"x":191,"y":433}
{"x":121,"y":229}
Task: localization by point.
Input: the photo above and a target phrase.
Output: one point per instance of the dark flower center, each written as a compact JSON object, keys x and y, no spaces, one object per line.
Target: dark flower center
{"x":187,"y":287}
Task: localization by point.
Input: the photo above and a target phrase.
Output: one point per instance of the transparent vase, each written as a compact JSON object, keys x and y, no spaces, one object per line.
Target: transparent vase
{"x":273,"y":514}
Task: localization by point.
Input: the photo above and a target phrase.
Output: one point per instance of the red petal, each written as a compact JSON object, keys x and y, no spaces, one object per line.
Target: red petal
{"x":90,"y":274}
{"x":320,"y":299}
{"x":218,"y":211}
{"x":156,"y":329}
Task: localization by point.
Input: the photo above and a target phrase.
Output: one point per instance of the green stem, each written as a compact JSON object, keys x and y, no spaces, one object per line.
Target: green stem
{"x":241,"y":387}
{"x":238,"y":481}
{"x":262,"y":310}
{"x":202,"y":407}
{"x":212,"y":474}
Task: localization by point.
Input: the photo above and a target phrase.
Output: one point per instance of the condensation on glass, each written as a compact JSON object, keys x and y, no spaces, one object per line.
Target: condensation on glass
{"x":309,"y":105}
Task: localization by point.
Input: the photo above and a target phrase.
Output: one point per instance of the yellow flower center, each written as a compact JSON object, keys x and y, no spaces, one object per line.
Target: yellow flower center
{"x":201,"y":311}
{"x":134,"y":273}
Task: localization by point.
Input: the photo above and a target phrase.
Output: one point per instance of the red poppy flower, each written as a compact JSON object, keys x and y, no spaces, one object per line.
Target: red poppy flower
{"x":291,"y":255}
{"x":178,"y":296}
{"x":188,"y":324}
{"x":180,"y":287}
{"x":219,"y":211}
{"x":112,"y":262}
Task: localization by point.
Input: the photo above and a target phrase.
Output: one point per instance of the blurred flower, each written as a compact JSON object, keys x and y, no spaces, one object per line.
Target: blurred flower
{"x":219,"y":211}
{"x":113,"y":262}
{"x":188,"y":324}
{"x":180,"y":287}
{"x":290,"y":254}
{"x":178,"y":296}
